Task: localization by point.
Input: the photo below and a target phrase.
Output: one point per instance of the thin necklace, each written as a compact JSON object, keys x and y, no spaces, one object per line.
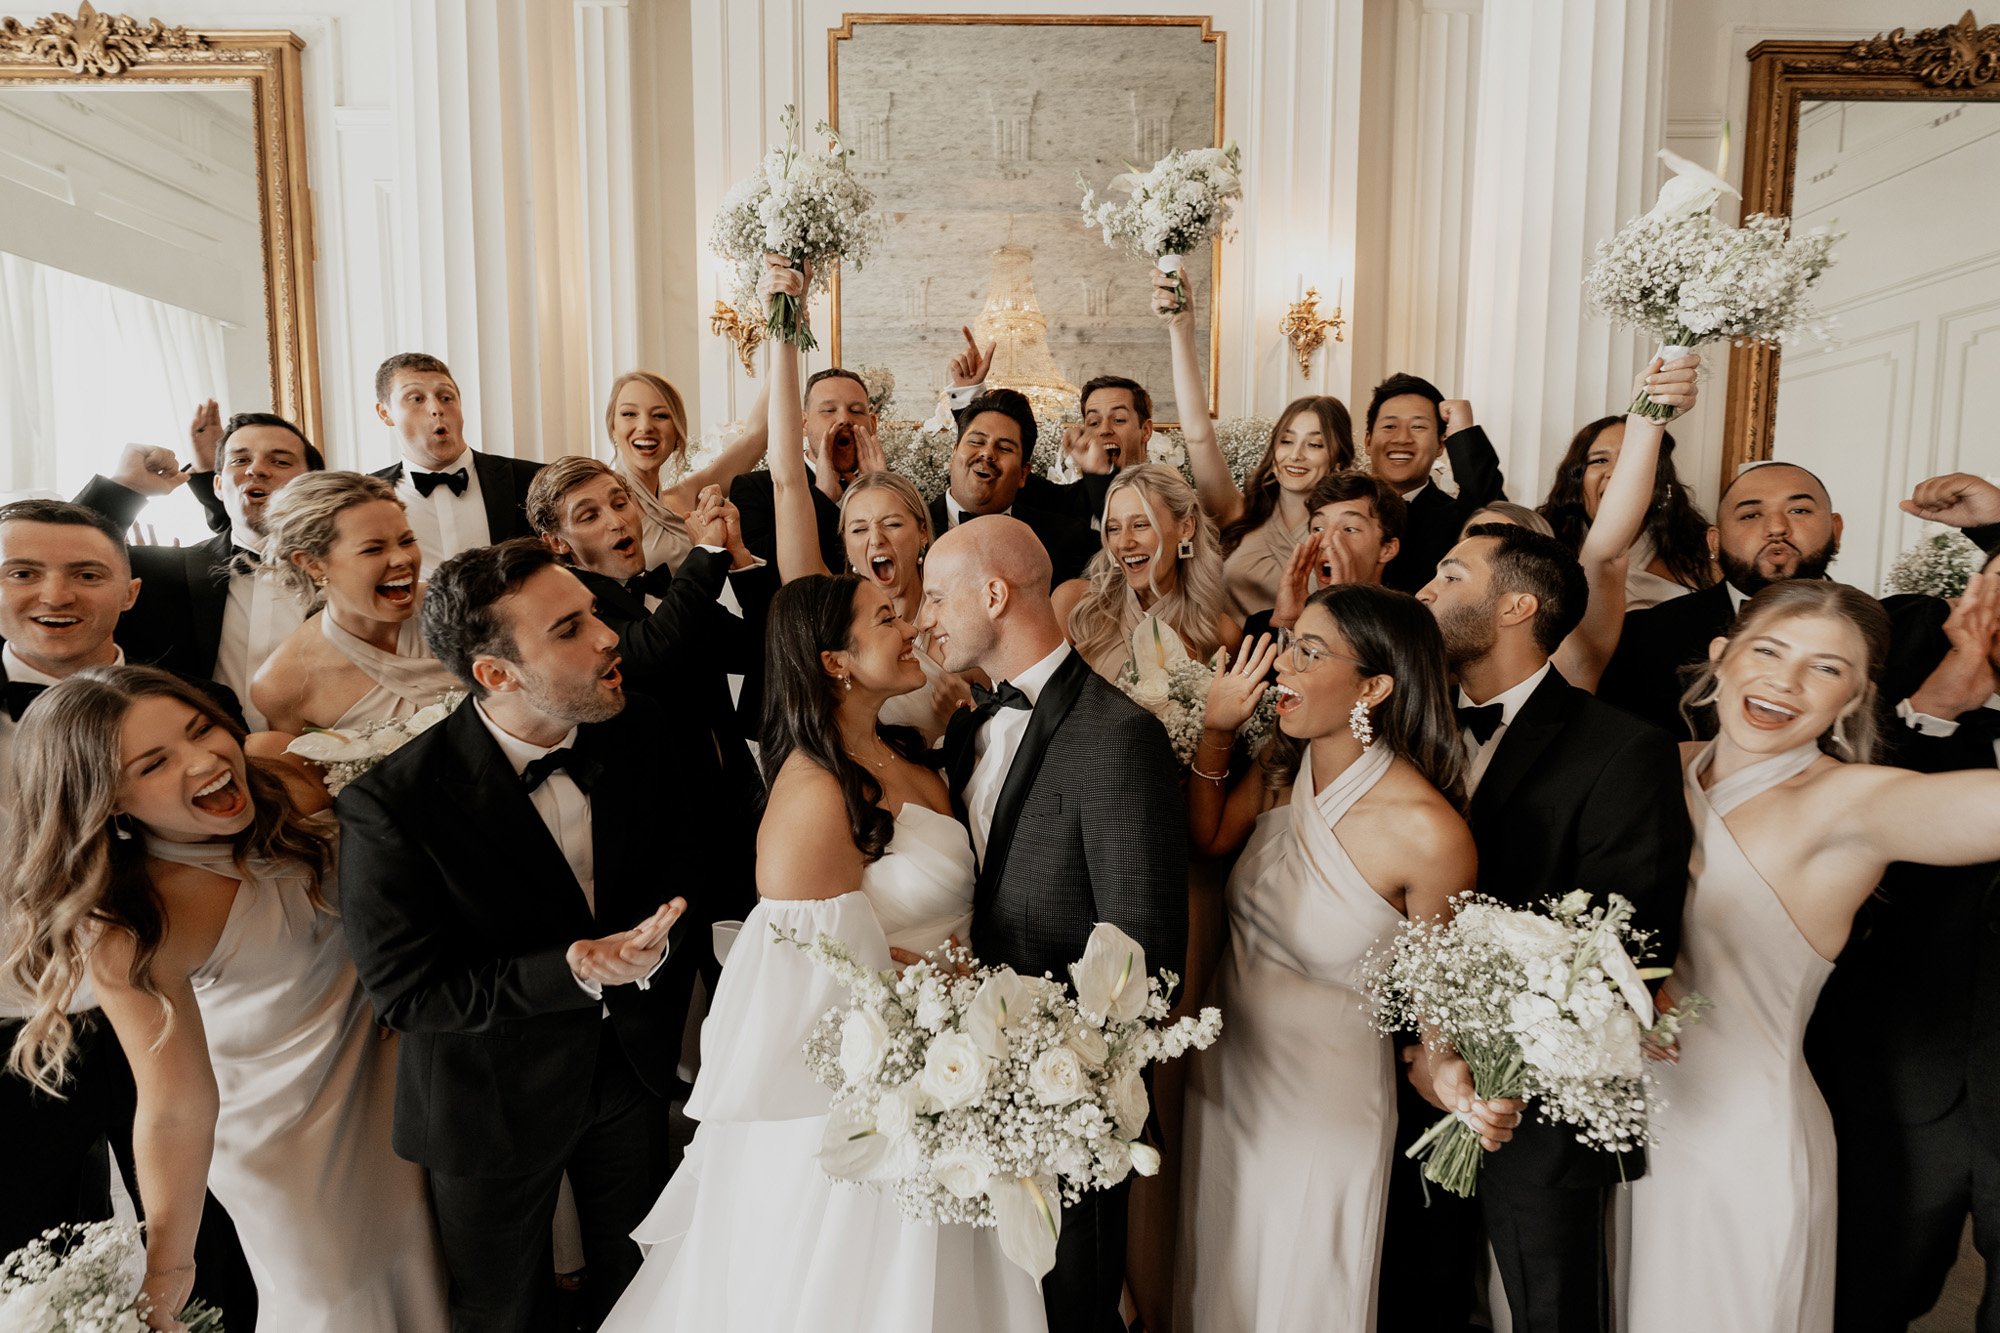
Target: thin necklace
{"x":877,"y":764}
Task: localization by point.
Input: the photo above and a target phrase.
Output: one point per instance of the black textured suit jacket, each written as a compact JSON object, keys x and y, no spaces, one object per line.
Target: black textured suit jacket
{"x":1435,"y":518}
{"x":459,"y":908}
{"x":1091,"y":826}
{"x":503,"y":488}
{"x":1061,"y":526}
{"x":1581,"y":796}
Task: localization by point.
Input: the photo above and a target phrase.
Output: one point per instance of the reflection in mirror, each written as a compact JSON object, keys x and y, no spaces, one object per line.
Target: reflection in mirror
{"x":1908,"y":384}
{"x":131,"y":278}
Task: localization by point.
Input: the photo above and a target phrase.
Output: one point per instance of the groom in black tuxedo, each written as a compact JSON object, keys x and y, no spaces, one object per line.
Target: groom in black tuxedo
{"x":1566,"y":793}
{"x":504,"y":880}
{"x":1069,"y":790}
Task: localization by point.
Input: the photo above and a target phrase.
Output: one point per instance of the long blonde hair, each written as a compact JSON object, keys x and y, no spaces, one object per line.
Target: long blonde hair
{"x":1108,"y":612}
{"x":303,"y":519}
{"x":72,"y":876}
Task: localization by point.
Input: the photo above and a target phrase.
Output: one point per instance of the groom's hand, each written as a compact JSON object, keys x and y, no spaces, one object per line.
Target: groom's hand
{"x":630,"y":955}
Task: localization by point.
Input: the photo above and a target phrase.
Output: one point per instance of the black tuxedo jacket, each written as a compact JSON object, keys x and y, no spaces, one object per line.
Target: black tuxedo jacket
{"x":755,"y":497}
{"x":1581,"y":796}
{"x":177,"y":621}
{"x":1435,"y":518}
{"x":459,"y":908}
{"x":1069,"y":848}
{"x":1061,"y":526}
{"x":224,"y":697}
{"x":503,"y":486}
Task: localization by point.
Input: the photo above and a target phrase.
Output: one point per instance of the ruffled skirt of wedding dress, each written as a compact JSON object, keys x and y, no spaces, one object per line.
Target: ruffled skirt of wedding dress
{"x":751,"y":1236}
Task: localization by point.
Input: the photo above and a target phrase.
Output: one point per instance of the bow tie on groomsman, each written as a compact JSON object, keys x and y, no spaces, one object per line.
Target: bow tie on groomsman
{"x":1482,"y":720}
{"x":985,"y":702}
{"x":426,"y":482}
{"x":582,"y":769}
{"x":19,"y":694}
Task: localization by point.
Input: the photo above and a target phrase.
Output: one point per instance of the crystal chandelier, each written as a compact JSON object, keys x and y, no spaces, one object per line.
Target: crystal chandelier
{"x":1013,"y":322}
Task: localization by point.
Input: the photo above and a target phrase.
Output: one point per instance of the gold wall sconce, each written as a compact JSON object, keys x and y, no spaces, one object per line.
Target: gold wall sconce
{"x":1306,"y":329}
{"x":747,"y":334}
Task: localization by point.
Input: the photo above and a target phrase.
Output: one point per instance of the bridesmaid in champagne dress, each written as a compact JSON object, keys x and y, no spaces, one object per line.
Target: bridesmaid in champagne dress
{"x":1733,"y":1226}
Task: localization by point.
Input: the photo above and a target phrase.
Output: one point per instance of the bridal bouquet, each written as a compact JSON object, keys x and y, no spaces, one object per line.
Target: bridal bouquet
{"x":1162,"y":679}
{"x":1183,"y":200}
{"x":806,"y":206}
{"x":1938,"y":566}
{"x":84,"y":1279}
{"x":985,"y":1097}
{"x":1549,"y":1007}
{"x":346,"y":755}
{"x":1686,"y":279}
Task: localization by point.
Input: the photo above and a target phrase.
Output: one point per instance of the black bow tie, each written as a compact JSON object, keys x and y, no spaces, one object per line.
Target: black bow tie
{"x":582,"y":769}
{"x":985,"y":702}
{"x":426,"y":482}
{"x":19,"y":694}
{"x":1482,"y":721}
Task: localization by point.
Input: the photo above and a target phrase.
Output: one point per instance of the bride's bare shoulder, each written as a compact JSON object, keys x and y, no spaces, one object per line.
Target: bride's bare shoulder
{"x":805,"y":847}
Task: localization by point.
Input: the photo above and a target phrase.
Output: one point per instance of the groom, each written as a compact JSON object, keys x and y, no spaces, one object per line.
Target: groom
{"x":1069,"y":791}
{"x":504,"y":881}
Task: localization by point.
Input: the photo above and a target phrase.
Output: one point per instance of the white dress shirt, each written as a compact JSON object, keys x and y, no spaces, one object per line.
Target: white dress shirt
{"x":1510,"y":700}
{"x":1926,"y":725}
{"x":257,"y":615}
{"x":20,"y":672}
{"x":994,"y":746}
{"x":445,"y":523}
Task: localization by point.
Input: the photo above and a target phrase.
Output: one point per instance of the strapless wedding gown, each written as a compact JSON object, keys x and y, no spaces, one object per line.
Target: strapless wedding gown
{"x":1291,"y":1115}
{"x":750,"y":1234}
{"x":1733,"y":1225}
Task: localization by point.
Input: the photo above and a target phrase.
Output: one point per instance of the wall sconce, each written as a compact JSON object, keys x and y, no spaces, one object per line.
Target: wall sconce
{"x":747,"y":334}
{"x":1306,"y":330}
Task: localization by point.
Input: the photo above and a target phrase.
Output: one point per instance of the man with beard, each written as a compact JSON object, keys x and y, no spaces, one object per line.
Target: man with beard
{"x":1775,"y":521}
{"x":989,"y":474}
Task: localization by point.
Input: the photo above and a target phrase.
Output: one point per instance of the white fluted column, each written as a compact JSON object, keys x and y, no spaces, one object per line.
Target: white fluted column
{"x":1569,"y":118}
{"x":604,"y":104}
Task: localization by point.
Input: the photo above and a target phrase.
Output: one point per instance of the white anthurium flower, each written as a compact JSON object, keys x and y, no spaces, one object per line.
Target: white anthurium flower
{"x":1690,"y":190}
{"x":1618,"y":965}
{"x":1029,"y":1215}
{"x":1110,"y":978}
{"x":954,"y":1071}
{"x":1056,"y":1077}
{"x":850,"y":1148}
{"x":963,"y":1173}
{"x":863,"y":1039}
{"x":331,"y":747}
{"x":1002,"y":998}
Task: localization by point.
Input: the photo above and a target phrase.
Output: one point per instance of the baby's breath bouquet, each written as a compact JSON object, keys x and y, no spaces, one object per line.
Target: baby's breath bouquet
{"x":806,"y":206}
{"x":1543,"y":1006}
{"x":343,"y":756}
{"x":1242,"y":439}
{"x":1683,"y":277}
{"x":1162,"y":679}
{"x":84,"y":1279}
{"x":985,"y":1097}
{"x":1938,"y":566}
{"x":1183,"y":200}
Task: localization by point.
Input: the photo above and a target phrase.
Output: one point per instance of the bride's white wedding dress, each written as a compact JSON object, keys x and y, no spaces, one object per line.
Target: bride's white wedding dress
{"x":750,"y":1234}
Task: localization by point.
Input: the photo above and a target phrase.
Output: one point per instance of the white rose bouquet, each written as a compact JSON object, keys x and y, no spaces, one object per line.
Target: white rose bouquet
{"x":344,"y":756}
{"x":808,"y":207}
{"x":1938,"y":566}
{"x":1549,"y":1007}
{"x":84,"y":1279}
{"x":1185,"y":198}
{"x":1162,"y":679}
{"x":1683,"y":277}
{"x":985,"y":1097}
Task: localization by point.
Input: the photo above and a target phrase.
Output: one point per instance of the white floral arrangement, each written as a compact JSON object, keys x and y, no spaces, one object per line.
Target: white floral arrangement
{"x":805,"y":205}
{"x":345,"y":755}
{"x":1181,"y":201}
{"x":84,"y":1279}
{"x":1242,"y":440}
{"x":984,"y":1097}
{"x":1686,"y":279}
{"x":880,"y":381}
{"x":1938,"y":566}
{"x":1164,"y":680}
{"x":1548,"y":1007}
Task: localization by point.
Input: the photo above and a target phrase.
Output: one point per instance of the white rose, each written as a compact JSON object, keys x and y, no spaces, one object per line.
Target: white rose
{"x":1110,"y":978}
{"x":1128,"y":1102}
{"x":1091,"y":1045}
{"x":896,"y":1113}
{"x":863,"y":1039}
{"x":933,"y":1005}
{"x":962,"y":1172}
{"x":1057,"y":1078}
{"x":954,"y":1071}
{"x":1150,"y":692}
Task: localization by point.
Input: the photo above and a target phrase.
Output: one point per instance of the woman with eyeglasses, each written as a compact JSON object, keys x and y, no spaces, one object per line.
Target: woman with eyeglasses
{"x":1349,"y":823}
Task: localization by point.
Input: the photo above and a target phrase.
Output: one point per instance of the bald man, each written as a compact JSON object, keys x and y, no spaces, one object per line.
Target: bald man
{"x":1071,"y":793}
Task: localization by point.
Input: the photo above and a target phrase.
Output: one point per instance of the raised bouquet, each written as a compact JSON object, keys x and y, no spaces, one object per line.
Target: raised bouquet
{"x":1938,"y":566}
{"x":343,"y":756}
{"x":1183,"y":200}
{"x":84,"y":1279}
{"x":1164,"y":680}
{"x":806,"y":206}
{"x":1683,"y":277}
{"x":985,"y":1097}
{"x":1548,"y":1007}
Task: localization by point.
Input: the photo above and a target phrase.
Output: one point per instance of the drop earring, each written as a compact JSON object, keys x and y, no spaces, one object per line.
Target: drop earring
{"x":1186,"y":548}
{"x":121,"y":829}
{"x":847,"y":684}
{"x":1840,"y":734}
{"x":1357,"y":723}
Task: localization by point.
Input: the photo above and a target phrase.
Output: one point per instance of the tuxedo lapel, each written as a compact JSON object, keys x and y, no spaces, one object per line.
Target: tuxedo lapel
{"x":208,"y":569}
{"x":1057,"y":697}
{"x":1538,"y":723}
{"x":614,"y":813}
{"x":496,"y":491}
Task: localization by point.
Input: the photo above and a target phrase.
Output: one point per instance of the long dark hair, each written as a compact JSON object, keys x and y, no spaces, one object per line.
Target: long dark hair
{"x":1260,"y":488}
{"x":810,"y":616}
{"x":1394,"y":635}
{"x":1679,"y":531}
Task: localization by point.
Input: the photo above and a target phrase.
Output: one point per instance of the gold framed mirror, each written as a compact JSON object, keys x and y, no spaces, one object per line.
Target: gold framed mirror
{"x":157,"y":176}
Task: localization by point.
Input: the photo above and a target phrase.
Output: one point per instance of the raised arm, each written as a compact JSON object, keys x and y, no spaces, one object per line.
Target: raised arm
{"x":1220,"y":495}
{"x":738,"y":457}
{"x":791,"y":489}
{"x":1933,"y":819}
{"x":1221,"y":814}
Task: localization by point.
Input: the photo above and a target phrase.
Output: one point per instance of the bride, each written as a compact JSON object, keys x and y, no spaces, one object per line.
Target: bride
{"x":858,"y":843}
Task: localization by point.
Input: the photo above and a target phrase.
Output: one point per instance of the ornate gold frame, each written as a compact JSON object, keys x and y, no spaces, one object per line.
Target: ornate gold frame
{"x":1209,"y":34}
{"x":92,"y":48}
{"x":1958,"y":63}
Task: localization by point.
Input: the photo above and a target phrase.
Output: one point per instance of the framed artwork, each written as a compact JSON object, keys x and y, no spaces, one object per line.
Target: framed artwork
{"x":973,"y":130}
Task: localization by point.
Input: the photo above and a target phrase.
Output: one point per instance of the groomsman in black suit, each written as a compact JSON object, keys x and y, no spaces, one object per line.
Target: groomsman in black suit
{"x":1409,"y":424}
{"x":839,"y":422}
{"x":457,"y":497}
{"x":989,"y":475}
{"x":1061,"y":844}
{"x":1566,"y":793}
{"x":504,"y":883}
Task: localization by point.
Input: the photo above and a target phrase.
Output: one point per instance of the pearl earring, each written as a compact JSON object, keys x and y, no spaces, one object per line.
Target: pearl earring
{"x":847,"y":683}
{"x":1358,"y":724}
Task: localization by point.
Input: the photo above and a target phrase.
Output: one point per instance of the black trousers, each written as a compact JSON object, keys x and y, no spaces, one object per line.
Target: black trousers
{"x":1430,"y":1243}
{"x":495,"y":1229}
{"x":1081,"y":1291}
{"x":1905,"y":1191}
{"x":1549,"y":1245}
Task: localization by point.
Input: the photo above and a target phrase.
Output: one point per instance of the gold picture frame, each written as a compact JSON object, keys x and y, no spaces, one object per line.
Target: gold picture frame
{"x":90,"y":48}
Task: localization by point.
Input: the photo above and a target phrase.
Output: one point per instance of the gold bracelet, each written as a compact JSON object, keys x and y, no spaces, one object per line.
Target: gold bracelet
{"x":1210,"y":777}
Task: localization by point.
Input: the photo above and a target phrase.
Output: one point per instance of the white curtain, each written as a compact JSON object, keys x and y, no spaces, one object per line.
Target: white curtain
{"x":86,"y":369}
